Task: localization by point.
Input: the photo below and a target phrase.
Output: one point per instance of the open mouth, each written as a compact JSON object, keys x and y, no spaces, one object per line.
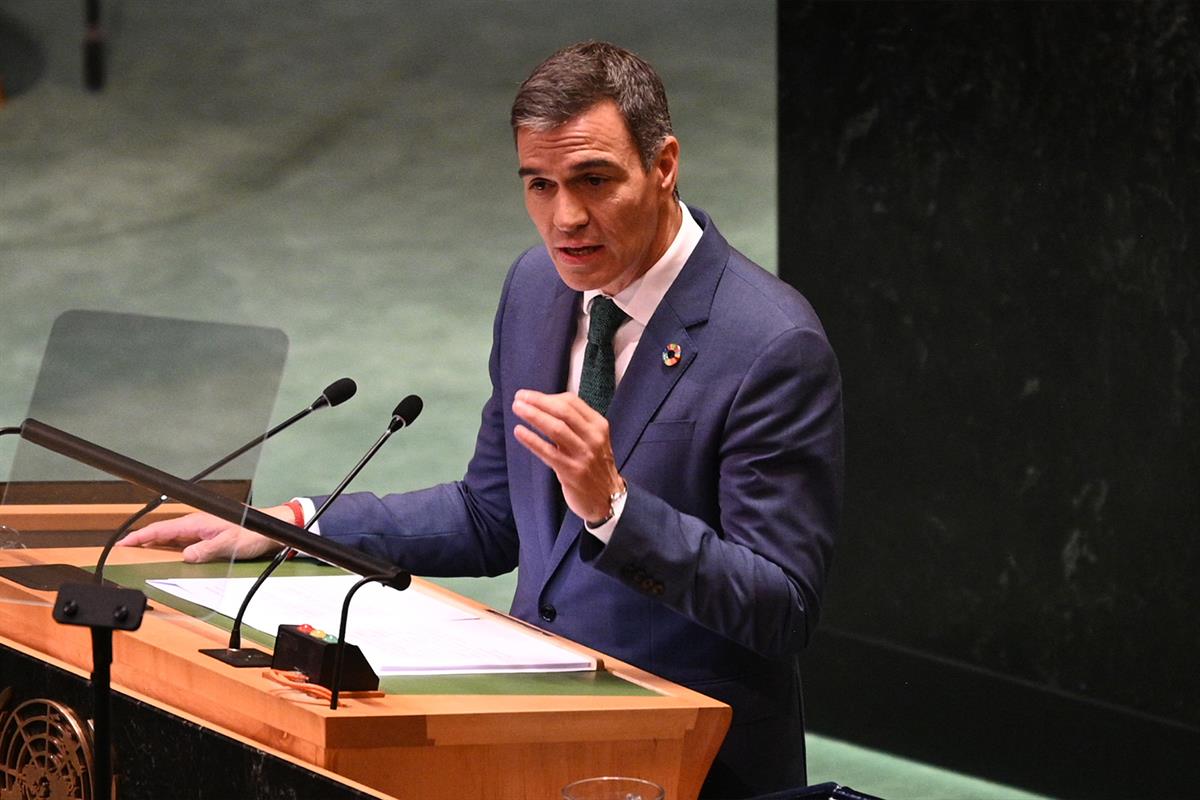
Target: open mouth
{"x":578,"y":252}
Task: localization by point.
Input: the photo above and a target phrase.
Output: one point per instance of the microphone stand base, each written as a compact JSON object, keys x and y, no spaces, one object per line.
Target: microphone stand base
{"x":240,"y":658}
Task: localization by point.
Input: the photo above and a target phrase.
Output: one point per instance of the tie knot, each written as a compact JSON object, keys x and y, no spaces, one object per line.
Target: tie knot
{"x":604,"y":319}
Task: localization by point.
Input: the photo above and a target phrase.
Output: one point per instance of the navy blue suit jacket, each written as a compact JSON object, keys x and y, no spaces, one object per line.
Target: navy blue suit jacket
{"x":733,"y":460}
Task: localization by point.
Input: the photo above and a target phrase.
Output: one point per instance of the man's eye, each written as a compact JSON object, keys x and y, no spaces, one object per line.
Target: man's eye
{"x":595,"y":180}
{"x":538,"y":186}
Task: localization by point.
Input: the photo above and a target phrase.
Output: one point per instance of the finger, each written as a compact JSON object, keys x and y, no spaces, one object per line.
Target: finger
{"x":588,"y":425}
{"x":136,"y":538}
{"x":200,"y":552}
{"x":167,"y":532}
{"x":219,"y":548}
{"x":573,"y":470}
{"x":559,"y":431}
{"x":567,"y":406}
{"x":253,"y":545}
{"x":586,"y":480}
{"x":549,"y":455}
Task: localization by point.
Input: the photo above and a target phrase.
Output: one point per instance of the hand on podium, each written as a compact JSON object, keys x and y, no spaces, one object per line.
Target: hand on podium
{"x":204,"y":537}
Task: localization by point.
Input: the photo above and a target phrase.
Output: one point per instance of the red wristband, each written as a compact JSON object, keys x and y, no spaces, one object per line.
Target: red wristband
{"x":297,"y":512}
{"x":298,"y":518}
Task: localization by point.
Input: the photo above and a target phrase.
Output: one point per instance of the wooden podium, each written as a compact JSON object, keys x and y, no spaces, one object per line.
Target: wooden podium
{"x":429,"y":746}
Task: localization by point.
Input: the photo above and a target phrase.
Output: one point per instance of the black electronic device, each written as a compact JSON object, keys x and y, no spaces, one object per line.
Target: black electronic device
{"x":313,"y":652}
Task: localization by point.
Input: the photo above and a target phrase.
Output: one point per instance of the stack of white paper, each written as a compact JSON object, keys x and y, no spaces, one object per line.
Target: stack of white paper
{"x":401,"y":633}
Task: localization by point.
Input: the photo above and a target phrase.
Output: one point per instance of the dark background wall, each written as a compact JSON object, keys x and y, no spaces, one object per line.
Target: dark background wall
{"x":995,"y":208}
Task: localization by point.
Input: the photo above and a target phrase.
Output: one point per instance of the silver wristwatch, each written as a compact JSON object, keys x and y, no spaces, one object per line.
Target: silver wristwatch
{"x":613,"y":499}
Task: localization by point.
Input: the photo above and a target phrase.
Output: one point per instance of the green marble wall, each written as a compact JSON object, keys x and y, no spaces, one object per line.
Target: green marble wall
{"x":994,"y":208}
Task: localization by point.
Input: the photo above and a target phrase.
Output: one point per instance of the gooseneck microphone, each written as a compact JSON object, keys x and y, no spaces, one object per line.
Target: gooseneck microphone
{"x":334,"y":394}
{"x":405,"y":413}
{"x":103,"y":610}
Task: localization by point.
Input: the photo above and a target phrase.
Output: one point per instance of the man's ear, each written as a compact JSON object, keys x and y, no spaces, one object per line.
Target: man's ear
{"x":666,"y":165}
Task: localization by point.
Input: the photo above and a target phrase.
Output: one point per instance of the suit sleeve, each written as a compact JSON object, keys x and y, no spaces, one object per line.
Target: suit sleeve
{"x":464,"y":528}
{"x":757,"y":578}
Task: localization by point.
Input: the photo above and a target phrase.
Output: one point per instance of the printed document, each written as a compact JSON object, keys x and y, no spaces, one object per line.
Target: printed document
{"x":410,"y":632}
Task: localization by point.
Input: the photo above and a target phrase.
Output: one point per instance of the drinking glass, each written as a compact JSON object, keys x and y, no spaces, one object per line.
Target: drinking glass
{"x":613,"y":788}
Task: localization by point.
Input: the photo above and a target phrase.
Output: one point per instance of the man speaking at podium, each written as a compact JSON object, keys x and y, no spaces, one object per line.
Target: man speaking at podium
{"x":661,"y":453}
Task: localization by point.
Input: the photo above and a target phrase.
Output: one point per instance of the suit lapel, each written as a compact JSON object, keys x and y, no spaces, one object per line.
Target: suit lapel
{"x":549,"y":375}
{"x":648,"y":380}
{"x":549,"y":370}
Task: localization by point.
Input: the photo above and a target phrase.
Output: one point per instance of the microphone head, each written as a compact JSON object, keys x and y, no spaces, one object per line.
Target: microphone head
{"x":336,"y":393}
{"x":406,"y":412}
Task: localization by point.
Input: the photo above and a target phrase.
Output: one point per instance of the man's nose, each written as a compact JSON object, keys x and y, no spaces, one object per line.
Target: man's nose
{"x":569,"y":213}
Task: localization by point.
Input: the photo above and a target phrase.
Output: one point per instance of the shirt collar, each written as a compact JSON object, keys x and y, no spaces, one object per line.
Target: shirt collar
{"x":640,"y":298}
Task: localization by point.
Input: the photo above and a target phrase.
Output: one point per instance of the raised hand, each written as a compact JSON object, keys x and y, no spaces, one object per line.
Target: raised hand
{"x":574,"y":442}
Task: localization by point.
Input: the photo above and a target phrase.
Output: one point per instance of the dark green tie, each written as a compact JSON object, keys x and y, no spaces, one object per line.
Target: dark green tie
{"x":598,"y":379}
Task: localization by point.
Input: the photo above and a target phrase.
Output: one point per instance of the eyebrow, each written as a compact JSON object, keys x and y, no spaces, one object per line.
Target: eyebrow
{"x":582,"y":166}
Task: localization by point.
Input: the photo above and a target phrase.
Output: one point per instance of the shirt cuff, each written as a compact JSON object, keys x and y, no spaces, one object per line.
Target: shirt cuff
{"x":604,"y":531}
{"x":310,"y":511}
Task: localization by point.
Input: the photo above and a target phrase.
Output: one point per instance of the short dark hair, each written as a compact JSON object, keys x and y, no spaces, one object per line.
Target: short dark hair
{"x":580,"y":75}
